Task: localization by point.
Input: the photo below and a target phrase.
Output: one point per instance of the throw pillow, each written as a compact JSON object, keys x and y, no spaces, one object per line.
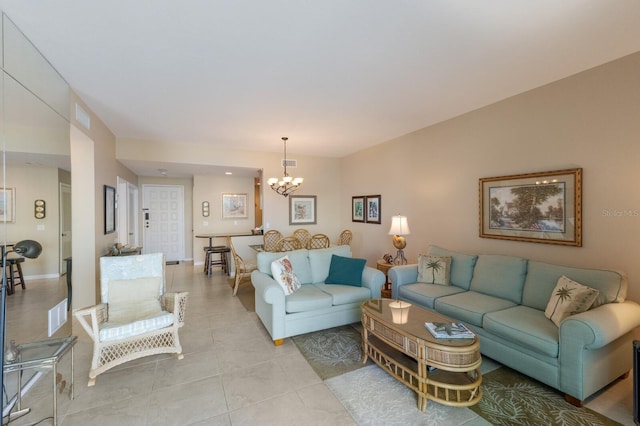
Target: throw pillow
{"x":345,"y":270}
{"x":282,"y":272}
{"x":131,"y":300}
{"x":569,"y":298}
{"x":434,"y":269}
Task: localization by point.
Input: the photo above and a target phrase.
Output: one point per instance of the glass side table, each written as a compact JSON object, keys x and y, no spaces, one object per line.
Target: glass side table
{"x":42,"y":355}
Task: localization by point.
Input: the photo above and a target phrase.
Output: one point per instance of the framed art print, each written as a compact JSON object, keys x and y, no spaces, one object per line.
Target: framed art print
{"x":373,"y":209}
{"x":7,"y":204}
{"x":109,"y":209}
{"x":543,"y":207}
{"x":234,"y":206}
{"x":302,"y":209}
{"x":357,"y":209}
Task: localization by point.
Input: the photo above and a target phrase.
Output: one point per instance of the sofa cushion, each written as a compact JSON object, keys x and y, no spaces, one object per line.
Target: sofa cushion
{"x":134,"y":299}
{"x":320,"y":261}
{"x":569,"y":298}
{"x":526,"y":327}
{"x":500,"y":276}
{"x":434,"y":269}
{"x":461,"y":265}
{"x":426,"y":294}
{"x":542,"y":278}
{"x":470,"y":306}
{"x":299,"y":260}
{"x":307,"y":298}
{"x":282,"y":271}
{"x":344,"y":294}
{"x":345,"y":270}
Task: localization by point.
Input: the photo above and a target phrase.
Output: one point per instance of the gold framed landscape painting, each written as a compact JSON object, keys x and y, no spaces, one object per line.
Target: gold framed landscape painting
{"x":543,"y":207}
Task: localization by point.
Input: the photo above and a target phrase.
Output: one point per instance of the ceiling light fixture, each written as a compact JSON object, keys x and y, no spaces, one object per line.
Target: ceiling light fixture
{"x":287,"y":184}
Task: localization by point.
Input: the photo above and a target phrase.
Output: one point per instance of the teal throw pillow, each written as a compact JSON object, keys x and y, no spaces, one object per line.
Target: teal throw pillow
{"x":345,"y":270}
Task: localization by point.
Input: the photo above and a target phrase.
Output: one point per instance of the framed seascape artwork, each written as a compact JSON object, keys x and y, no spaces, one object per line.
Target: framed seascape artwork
{"x":7,"y":204}
{"x":357,"y":209}
{"x":109,"y":209}
{"x":234,"y":206}
{"x":373,"y":205}
{"x":543,"y":207}
{"x":302,"y":209}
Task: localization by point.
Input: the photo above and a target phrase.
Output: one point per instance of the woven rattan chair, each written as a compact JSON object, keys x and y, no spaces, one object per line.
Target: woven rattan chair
{"x":270,"y":239}
{"x":345,"y":238}
{"x":243,"y":269}
{"x":303,"y":236}
{"x":136,"y":317}
{"x":318,"y":241}
{"x":288,"y":244}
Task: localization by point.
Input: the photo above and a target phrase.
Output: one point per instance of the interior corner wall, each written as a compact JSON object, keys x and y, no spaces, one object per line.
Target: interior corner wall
{"x":590,"y":120}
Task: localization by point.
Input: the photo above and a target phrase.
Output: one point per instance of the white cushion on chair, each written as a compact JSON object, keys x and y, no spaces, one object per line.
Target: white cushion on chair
{"x":135,"y":299}
{"x":118,"y":331}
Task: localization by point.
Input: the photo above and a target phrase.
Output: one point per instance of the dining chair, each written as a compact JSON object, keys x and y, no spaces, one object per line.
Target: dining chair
{"x":243,"y":269}
{"x":345,"y":238}
{"x":318,"y":241}
{"x":303,"y":236}
{"x":270,"y":239}
{"x":288,"y":244}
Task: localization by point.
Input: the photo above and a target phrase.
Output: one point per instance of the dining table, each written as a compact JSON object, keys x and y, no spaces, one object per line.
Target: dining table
{"x":257,"y":247}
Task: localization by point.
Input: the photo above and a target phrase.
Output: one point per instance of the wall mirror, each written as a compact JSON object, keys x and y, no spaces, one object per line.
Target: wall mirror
{"x":36,"y":163}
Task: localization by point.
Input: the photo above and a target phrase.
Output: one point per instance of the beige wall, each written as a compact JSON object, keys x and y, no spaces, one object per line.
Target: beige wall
{"x":590,"y":120}
{"x":321,"y":178}
{"x":32,"y":183}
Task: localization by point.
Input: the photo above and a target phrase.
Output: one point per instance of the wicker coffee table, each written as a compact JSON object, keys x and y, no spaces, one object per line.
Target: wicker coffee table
{"x":445,"y":371}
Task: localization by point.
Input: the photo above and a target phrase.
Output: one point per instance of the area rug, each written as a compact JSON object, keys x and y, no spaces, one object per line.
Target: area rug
{"x":332,"y":352}
{"x":373,"y":397}
{"x":511,"y":398}
{"x":246,"y":295}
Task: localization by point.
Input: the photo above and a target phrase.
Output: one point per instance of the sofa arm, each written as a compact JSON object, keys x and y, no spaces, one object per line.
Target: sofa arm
{"x":373,"y":279}
{"x":176,"y":303}
{"x":270,"y":303}
{"x":401,"y":275}
{"x":598,"y":327}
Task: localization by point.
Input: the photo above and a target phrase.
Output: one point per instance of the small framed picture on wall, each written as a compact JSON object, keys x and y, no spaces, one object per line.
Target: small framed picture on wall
{"x":374,"y":208}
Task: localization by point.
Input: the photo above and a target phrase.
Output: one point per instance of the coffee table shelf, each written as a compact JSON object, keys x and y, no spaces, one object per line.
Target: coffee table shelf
{"x":408,"y":352}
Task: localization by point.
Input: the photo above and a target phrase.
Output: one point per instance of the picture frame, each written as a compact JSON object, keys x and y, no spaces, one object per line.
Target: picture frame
{"x":109,"y":209}
{"x":302,"y":210}
{"x":373,"y":209}
{"x":544,"y":207}
{"x":357,"y":208}
{"x":234,"y":206}
{"x":7,"y":205}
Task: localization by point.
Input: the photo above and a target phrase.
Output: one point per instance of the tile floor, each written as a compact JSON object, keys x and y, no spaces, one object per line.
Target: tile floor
{"x":231,"y":374}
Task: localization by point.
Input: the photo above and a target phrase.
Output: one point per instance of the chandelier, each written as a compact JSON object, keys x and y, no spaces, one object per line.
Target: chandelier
{"x":287,"y":184}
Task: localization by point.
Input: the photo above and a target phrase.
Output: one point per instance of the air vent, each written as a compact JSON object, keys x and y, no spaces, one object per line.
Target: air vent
{"x":289,"y":163}
{"x":82,"y":117}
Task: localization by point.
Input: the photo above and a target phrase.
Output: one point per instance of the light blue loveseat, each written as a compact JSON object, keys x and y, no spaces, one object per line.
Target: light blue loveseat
{"x":503,"y":298}
{"x":316,"y":305}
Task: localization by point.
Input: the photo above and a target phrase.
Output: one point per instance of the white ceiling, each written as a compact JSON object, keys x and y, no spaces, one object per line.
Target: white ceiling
{"x":334,"y":76}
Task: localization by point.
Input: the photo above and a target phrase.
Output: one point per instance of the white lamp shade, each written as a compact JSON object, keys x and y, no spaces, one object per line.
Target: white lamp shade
{"x":399,"y":226}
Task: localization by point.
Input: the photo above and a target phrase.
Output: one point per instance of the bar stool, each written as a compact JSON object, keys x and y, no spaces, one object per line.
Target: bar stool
{"x":209,"y":251}
{"x":14,"y":273}
{"x":211,"y":261}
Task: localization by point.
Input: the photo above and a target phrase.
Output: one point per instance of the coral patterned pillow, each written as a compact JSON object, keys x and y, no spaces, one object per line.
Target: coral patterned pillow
{"x":569,"y":298}
{"x":282,"y":272}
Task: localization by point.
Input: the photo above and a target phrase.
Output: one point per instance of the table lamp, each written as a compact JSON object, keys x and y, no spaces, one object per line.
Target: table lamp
{"x":399,"y":227}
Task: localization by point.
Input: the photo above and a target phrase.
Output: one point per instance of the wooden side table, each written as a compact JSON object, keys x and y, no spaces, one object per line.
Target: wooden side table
{"x":383,"y":266}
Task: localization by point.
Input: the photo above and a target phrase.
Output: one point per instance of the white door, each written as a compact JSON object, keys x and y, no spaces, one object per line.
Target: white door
{"x":65,"y":226}
{"x":163,"y":220}
{"x":127,"y":213}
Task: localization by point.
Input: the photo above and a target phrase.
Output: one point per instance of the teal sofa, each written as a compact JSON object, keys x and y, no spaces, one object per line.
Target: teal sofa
{"x":503,"y":299}
{"x":316,"y":305}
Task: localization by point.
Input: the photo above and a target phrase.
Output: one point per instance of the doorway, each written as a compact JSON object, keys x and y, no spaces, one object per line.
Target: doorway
{"x":163,"y":220}
{"x":65,"y":226}
{"x":127,"y":213}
